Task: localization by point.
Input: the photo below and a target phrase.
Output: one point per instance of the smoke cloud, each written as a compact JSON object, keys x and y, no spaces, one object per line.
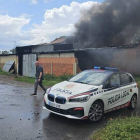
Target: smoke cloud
{"x":112,"y":23}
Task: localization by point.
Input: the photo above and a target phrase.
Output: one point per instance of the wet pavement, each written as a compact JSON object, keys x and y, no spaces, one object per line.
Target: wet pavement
{"x":22,"y":117}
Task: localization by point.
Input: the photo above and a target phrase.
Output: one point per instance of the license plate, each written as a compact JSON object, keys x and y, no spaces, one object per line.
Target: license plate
{"x":54,"y":105}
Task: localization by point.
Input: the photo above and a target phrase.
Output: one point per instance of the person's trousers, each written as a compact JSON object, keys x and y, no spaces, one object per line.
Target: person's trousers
{"x":36,"y":86}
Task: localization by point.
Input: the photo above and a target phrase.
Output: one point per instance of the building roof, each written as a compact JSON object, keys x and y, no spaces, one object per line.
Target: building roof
{"x":58,"y":40}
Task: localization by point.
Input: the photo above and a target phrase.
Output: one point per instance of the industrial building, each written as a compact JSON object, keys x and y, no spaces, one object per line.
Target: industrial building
{"x":59,"y":59}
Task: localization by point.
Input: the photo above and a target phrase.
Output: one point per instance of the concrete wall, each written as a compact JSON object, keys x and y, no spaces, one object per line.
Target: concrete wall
{"x":59,"y":64}
{"x":4,"y":59}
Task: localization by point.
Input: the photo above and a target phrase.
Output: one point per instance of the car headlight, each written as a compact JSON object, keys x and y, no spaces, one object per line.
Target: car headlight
{"x":81,"y":99}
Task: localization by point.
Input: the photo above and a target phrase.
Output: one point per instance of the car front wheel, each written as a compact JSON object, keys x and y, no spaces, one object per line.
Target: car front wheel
{"x":133,"y":102}
{"x":96,"y":112}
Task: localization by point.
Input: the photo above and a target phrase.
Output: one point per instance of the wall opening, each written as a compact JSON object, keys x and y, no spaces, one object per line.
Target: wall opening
{"x":20,"y":64}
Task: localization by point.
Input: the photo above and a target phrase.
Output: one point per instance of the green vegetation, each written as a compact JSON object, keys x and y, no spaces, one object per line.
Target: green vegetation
{"x":25,"y":79}
{"x":3,"y":72}
{"x":52,"y":79}
{"x":120,"y":129}
{"x":49,"y":79}
{"x":137,"y":79}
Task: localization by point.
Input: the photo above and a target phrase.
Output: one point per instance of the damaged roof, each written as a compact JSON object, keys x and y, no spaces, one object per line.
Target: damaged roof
{"x":58,"y":40}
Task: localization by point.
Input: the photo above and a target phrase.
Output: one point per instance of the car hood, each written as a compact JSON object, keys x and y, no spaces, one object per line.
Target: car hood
{"x":67,"y":89}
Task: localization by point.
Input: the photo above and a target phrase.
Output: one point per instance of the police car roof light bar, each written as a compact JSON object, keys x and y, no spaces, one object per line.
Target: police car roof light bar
{"x":106,"y":68}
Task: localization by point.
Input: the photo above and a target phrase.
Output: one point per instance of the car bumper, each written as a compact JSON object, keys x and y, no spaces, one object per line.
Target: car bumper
{"x":69,"y":110}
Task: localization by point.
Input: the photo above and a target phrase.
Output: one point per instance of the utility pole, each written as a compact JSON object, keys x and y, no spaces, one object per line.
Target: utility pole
{"x":42,"y":40}
{"x":15,"y":44}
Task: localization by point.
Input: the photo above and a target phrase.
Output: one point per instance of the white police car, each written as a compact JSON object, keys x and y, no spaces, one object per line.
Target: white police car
{"x":91,"y":93}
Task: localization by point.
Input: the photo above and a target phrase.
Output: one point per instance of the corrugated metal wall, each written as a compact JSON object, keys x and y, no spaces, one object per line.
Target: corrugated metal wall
{"x":43,"y":48}
{"x":29,"y":68}
{"x":65,"y":47}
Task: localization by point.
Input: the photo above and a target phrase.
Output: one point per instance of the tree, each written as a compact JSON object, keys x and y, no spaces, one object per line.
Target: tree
{"x":5,"y":52}
{"x":13,"y":51}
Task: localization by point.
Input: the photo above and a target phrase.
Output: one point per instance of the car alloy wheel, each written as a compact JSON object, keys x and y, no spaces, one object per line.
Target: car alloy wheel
{"x":95,"y":112}
{"x":133,"y":102}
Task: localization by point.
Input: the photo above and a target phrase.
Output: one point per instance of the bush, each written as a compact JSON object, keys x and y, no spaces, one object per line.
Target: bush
{"x":120,"y":129}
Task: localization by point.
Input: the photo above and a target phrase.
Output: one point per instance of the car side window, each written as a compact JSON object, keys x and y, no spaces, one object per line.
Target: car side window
{"x":126,"y":79}
{"x":106,"y":84}
{"x":131,"y":80}
{"x":113,"y":81}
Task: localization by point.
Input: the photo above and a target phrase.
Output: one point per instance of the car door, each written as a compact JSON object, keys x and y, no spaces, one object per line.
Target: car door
{"x":113,"y":91}
{"x":126,"y":88}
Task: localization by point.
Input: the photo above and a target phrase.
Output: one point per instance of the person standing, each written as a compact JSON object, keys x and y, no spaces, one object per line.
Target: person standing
{"x":39,"y":79}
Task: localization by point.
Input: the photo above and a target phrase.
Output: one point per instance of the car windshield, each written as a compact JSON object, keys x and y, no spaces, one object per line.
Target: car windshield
{"x":89,"y":77}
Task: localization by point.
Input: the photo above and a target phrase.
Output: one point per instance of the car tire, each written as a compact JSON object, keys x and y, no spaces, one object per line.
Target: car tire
{"x":133,"y":102}
{"x":96,"y":112}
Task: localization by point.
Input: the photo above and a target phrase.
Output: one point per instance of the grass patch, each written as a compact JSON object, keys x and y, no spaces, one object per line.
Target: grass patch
{"x":25,"y":79}
{"x":119,"y":129}
{"x":49,"y":80}
{"x":3,"y":72}
{"x":53,"y":77}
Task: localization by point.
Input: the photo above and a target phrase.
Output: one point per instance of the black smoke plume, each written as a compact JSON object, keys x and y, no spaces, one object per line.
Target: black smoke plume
{"x":116,"y":22}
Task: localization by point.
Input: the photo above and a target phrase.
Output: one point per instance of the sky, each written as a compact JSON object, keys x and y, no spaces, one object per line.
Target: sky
{"x":30,"y":22}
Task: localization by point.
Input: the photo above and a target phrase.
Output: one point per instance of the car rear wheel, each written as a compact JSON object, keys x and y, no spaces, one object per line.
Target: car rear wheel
{"x":133,"y":102}
{"x":96,"y":112}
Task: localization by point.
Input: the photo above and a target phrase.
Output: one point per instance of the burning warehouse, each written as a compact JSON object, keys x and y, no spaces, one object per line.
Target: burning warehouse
{"x":111,"y":23}
{"x":72,"y":61}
